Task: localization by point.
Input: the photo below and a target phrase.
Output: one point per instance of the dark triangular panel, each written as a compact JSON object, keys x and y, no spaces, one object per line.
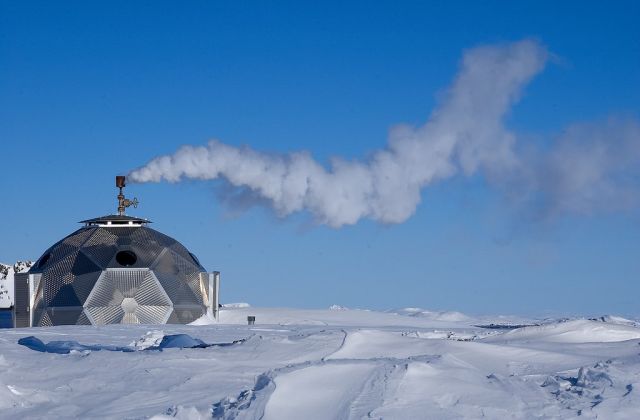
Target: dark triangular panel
{"x":120,"y":232}
{"x":65,"y":296}
{"x":83,"y":319}
{"x":179,"y":249}
{"x":57,"y":276}
{"x":79,"y":237}
{"x":102,"y":236}
{"x":173,"y":318}
{"x":101,"y":254}
{"x":83,"y":265}
{"x":146,"y":253}
{"x":124,"y":240}
{"x":177,"y":290}
{"x":152,"y":237}
{"x":187,"y":314}
{"x":64,"y":316}
{"x":185,"y":266}
{"x":45,"y":321}
{"x":58,"y":253}
{"x":164,"y":263}
{"x":84,"y":283}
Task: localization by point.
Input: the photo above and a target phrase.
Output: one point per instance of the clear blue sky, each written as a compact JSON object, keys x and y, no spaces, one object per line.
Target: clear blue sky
{"x":89,"y":90}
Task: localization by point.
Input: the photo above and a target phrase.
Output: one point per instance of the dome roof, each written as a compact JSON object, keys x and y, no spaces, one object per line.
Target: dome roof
{"x":115,"y":269}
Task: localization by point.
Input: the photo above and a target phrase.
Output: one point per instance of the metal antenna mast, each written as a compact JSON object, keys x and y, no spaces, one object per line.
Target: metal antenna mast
{"x":123,"y":203}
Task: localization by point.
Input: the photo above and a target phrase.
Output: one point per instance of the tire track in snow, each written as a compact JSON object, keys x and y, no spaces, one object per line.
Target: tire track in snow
{"x":374,"y":389}
{"x":344,"y":340}
{"x":251,"y":403}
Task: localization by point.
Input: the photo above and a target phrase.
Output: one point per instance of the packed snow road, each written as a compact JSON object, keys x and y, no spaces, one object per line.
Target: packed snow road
{"x":325,"y":364}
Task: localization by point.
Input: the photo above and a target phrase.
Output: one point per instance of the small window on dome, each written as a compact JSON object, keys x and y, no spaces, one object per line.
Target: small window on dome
{"x":194,"y":258}
{"x":44,"y":259}
{"x":126,"y":258}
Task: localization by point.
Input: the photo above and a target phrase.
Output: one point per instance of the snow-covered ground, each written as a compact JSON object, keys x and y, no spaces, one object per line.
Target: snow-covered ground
{"x":327,"y":364}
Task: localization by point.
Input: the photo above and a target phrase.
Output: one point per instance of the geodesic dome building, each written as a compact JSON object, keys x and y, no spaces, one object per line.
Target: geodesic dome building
{"x":115,"y":270}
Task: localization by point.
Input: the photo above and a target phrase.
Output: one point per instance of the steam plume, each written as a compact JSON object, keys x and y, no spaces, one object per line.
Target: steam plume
{"x":465,"y":134}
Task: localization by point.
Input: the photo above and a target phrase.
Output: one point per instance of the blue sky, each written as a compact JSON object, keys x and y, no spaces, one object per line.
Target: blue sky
{"x":88,"y":91}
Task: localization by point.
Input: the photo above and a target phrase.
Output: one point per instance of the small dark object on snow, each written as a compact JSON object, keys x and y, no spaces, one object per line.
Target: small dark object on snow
{"x":251,"y":320}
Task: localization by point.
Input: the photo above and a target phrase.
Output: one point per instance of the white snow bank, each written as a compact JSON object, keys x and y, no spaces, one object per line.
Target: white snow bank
{"x":617,"y":320}
{"x":577,"y":331}
{"x":446,"y":316}
{"x":305,"y":393}
{"x":236,"y":305}
{"x":367,"y":344}
{"x":204,"y":320}
{"x":344,"y":317}
{"x":425,"y":391}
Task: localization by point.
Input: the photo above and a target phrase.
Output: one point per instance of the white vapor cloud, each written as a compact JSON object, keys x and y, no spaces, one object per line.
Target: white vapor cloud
{"x":592,"y":167}
{"x":465,"y":134}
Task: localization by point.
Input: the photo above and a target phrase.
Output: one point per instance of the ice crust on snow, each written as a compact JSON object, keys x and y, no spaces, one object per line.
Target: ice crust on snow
{"x":326,"y":364}
{"x":149,"y":339}
{"x":153,"y":340}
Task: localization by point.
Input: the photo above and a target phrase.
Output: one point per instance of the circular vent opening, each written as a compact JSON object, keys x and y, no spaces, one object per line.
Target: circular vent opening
{"x":126,"y":258}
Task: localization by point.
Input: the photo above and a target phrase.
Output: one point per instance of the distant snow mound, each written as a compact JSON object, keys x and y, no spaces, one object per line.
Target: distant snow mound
{"x":235,"y":305}
{"x":406,"y":311}
{"x":612,"y":319}
{"x":445,"y":316}
{"x":205,"y":319}
{"x":576,"y":331}
{"x":449,"y":316}
{"x":338,"y":308}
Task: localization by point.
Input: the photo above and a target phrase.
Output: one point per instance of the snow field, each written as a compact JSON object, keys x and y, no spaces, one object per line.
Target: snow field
{"x":325,"y":364}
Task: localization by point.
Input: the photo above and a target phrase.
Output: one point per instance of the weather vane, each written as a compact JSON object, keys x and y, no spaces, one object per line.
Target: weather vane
{"x":123,"y":203}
